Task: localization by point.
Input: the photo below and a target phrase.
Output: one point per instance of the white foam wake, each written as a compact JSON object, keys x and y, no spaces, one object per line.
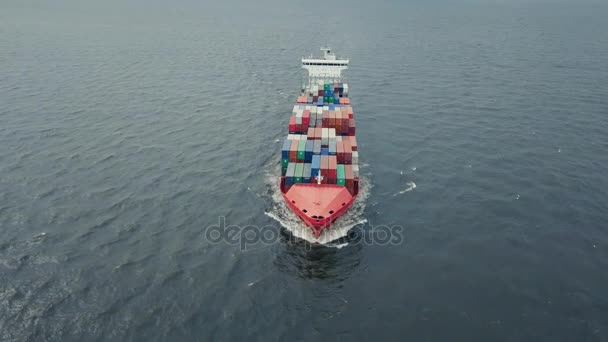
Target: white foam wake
{"x":410,"y":186}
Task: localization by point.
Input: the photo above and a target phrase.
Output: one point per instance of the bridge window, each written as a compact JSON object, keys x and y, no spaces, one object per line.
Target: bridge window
{"x":325,"y":64}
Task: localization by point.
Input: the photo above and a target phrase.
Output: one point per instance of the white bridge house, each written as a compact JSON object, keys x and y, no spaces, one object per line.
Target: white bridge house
{"x":328,"y":68}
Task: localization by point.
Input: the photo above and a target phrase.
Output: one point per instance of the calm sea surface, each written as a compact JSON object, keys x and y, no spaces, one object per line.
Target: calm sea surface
{"x":127,"y":128}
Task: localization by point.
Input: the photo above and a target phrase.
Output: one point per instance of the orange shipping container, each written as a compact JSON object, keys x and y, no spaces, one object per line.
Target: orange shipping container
{"x":350,"y":181}
{"x":293,"y":151}
{"x":340,"y":151}
{"x":344,"y":119}
{"x":318,"y":131}
{"x":348,"y":152}
{"x":324,"y":168}
{"x":311,"y":133}
{"x":353,"y":143}
{"x":333,"y":168}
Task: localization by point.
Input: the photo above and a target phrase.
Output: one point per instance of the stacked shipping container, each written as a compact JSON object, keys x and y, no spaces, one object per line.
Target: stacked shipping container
{"x":321,"y":138}
{"x":325,"y":93}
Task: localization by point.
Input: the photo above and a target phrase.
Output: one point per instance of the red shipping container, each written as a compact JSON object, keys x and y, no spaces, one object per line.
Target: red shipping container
{"x":351,"y":127}
{"x":325,"y":119}
{"x":292,"y":124}
{"x":351,"y":115}
{"x":353,"y":142}
{"x":344,"y":120}
{"x":293,"y":151}
{"x":311,"y":133}
{"x":318,"y":132}
{"x":315,"y":99}
{"x":321,"y":92}
{"x":306,"y":118}
{"x":348,"y":152}
{"x":350,"y":181}
{"x":346,"y":101}
{"x":332,"y":119}
{"x":340,"y":151}
{"x":333,"y":168}
{"x":324,"y":168}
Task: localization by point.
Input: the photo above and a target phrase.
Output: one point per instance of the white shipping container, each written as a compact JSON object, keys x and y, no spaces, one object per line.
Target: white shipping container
{"x":332,"y":133}
{"x":355,"y":170}
{"x":338,"y":138}
{"x":298,"y":120}
{"x":325,"y":136}
{"x":355,"y":157}
{"x":291,"y":137}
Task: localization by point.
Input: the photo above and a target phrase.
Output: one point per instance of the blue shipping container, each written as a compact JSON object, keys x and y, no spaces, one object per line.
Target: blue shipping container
{"x":332,"y":148}
{"x":289,"y":175}
{"x":308,"y":151}
{"x":316,"y":161}
{"x":316,"y":148}
{"x":285,"y":149}
{"x":324,"y":151}
{"x":306,"y":176}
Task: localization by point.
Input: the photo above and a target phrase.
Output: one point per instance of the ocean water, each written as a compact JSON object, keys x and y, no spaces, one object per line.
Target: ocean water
{"x":130,"y":129}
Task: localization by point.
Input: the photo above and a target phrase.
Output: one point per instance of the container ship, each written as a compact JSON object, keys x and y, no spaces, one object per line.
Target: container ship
{"x":319,"y":157}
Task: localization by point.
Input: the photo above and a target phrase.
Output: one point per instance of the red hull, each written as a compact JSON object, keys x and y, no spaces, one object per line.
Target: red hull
{"x":318,"y":205}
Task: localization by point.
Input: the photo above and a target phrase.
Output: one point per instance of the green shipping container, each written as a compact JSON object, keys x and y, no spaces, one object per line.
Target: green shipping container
{"x":299,"y":172}
{"x":301,"y":149}
{"x":285,"y":162}
{"x":341,"y":175}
